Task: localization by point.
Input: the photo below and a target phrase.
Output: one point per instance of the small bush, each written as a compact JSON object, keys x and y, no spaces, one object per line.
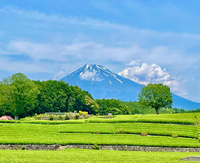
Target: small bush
{"x":95,"y":147}
{"x":144,"y":133}
{"x":27,"y":119}
{"x":66,"y":117}
{"x":120,"y":131}
{"x":71,"y":115}
{"x":86,"y":121}
{"x":97,"y":132}
{"x":55,"y":117}
{"x":84,"y":113}
{"x":50,"y":117}
{"x":77,"y":116}
{"x":60,"y":117}
{"x":174,"y":135}
{"x":37,"y":118}
{"x":23,"y":148}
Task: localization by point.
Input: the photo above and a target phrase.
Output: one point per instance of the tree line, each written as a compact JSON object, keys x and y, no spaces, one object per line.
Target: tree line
{"x":21,"y":97}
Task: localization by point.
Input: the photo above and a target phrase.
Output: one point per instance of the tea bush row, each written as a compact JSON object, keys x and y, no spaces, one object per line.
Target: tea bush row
{"x":142,"y":121}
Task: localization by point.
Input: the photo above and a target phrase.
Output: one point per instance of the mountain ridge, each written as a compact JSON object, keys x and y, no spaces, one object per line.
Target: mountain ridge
{"x":103,"y":83}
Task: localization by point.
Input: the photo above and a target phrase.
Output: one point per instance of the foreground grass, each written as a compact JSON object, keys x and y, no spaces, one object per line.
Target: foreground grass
{"x":81,"y":155}
{"x":50,"y":134}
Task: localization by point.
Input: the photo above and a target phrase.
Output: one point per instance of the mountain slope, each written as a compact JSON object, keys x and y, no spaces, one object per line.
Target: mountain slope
{"x":102,"y":83}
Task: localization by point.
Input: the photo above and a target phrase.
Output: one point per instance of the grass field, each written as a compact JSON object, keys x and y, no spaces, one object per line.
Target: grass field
{"x":93,"y":156}
{"x":158,"y":127}
{"x":26,"y":133}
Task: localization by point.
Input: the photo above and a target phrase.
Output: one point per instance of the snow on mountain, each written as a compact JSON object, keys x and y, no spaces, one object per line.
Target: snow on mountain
{"x":97,"y":73}
{"x":102,"y":83}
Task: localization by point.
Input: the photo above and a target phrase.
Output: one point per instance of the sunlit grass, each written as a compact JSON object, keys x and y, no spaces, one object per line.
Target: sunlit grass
{"x":93,"y":156}
{"x":83,"y":134}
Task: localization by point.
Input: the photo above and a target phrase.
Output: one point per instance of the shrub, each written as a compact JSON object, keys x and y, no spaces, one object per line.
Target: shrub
{"x":55,"y":117}
{"x":37,"y":118}
{"x":97,"y":132}
{"x":84,"y":113}
{"x":77,"y":116}
{"x":120,"y":131}
{"x":27,"y":119}
{"x":86,"y":121}
{"x":50,"y":117}
{"x":66,"y":117}
{"x":95,"y":147}
{"x":174,"y":135}
{"x":60,"y":117}
{"x":23,"y":148}
{"x":144,"y":133}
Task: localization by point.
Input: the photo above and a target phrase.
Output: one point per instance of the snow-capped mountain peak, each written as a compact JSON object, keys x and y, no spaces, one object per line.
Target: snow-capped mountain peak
{"x":93,"y":72}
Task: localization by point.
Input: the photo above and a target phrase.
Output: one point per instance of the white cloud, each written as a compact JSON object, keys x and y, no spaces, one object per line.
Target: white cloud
{"x":84,"y":50}
{"x":136,"y":62}
{"x":146,"y":72}
{"x":92,"y":52}
{"x":59,"y":75}
{"x":153,"y":73}
{"x":90,"y":76}
{"x":39,"y":51}
{"x":81,"y":50}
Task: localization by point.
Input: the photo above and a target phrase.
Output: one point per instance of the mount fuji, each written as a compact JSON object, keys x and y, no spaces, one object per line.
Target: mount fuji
{"x":102,"y":83}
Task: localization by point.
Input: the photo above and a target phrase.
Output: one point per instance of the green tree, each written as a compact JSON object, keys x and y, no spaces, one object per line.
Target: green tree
{"x":53,"y":96}
{"x":58,"y":96}
{"x":24,"y":94}
{"x":136,"y":108}
{"x":21,"y":94}
{"x":91,"y":106}
{"x":156,"y":96}
{"x":111,"y":106}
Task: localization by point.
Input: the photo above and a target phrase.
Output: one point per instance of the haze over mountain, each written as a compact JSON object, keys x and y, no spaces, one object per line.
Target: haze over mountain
{"x":102,"y":83}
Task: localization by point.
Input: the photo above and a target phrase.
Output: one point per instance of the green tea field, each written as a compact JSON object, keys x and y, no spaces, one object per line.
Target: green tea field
{"x":166,"y":130}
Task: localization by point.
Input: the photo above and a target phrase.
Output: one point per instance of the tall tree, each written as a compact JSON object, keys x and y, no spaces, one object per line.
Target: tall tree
{"x":22,"y":94}
{"x":156,"y":96}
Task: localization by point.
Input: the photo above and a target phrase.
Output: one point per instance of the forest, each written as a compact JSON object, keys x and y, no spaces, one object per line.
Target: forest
{"x":21,"y":97}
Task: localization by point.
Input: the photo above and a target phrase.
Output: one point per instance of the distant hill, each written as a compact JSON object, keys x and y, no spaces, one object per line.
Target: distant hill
{"x":102,"y":83}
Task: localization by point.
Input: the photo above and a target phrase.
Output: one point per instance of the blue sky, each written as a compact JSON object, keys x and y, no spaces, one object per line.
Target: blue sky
{"x":147,"y":41}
